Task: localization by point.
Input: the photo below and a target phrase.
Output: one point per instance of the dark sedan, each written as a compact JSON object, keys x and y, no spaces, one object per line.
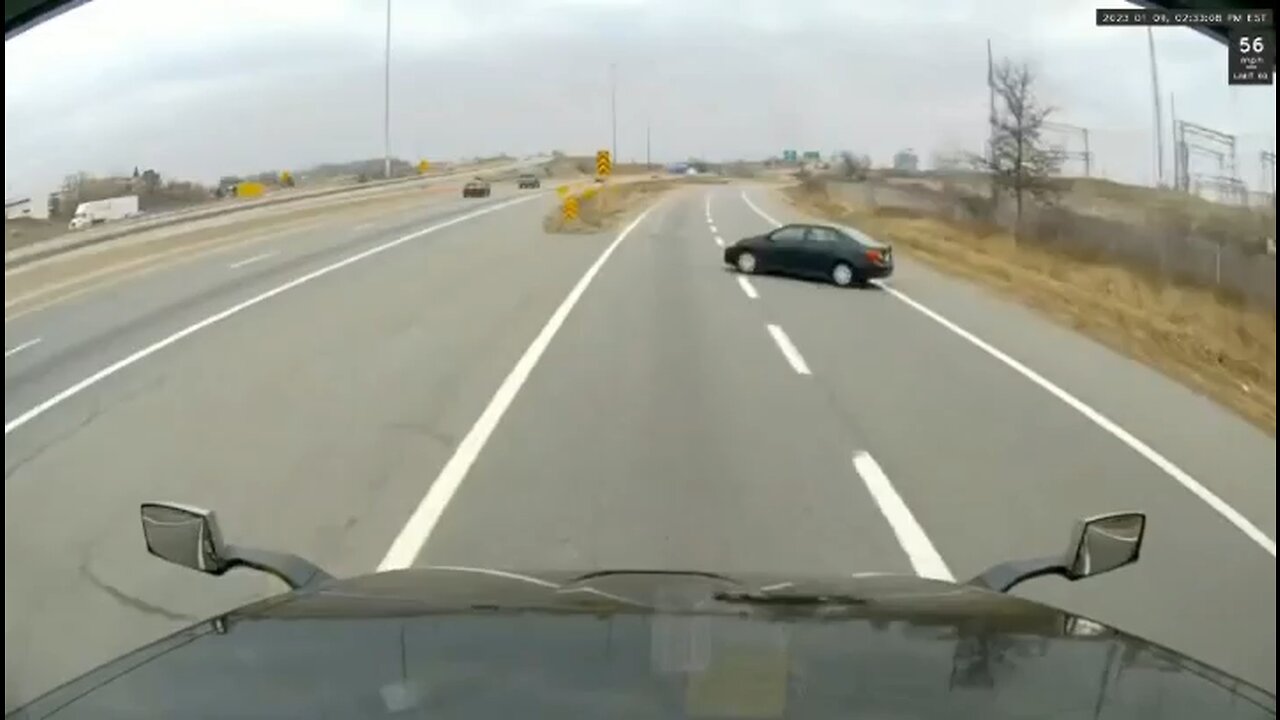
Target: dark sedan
{"x":476,"y":188}
{"x":841,"y":256}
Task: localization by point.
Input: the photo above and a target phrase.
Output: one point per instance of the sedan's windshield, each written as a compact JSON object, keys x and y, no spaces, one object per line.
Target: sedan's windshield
{"x":819,"y":288}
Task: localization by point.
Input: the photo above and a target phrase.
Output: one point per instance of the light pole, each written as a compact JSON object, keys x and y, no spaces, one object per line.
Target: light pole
{"x":613,"y":109}
{"x":386,"y":95}
{"x":648,"y":144}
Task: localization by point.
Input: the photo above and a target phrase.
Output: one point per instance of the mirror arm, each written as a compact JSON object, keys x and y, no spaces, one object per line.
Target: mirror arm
{"x":1003,"y":577}
{"x":294,"y":571}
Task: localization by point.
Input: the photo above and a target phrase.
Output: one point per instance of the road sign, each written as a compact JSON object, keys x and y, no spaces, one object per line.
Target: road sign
{"x":570,"y":208}
{"x":812,"y":155}
{"x":789,"y":156}
{"x":604,"y":164}
{"x":423,"y":166}
{"x":286,"y":179}
{"x":250,"y":189}
{"x":562,"y":190}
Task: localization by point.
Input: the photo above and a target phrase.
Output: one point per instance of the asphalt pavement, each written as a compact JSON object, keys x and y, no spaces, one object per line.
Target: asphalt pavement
{"x":453,"y":386}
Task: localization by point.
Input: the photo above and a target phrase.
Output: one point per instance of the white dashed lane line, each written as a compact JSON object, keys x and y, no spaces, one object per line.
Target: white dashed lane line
{"x":789,"y":350}
{"x":747,"y":287}
{"x":20,"y":347}
{"x":251,"y":260}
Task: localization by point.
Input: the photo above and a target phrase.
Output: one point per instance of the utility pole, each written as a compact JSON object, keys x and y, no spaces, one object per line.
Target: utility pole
{"x":386,"y":97}
{"x":613,"y":109}
{"x":1155,"y":99}
{"x":648,"y":146}
{"x":1088,"y":156}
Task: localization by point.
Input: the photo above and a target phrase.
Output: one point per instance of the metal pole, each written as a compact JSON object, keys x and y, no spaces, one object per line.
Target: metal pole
{"x":1088,"y":156}
{"x":648,"y":146}
{"x":386,"y":106}
{"x":1155,"y":102}
{"x":613,"y":109}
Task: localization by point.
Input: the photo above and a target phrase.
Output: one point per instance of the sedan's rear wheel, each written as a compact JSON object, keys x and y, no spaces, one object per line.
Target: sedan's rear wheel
{"x":842,"y":275}
{"x":746,"y":262}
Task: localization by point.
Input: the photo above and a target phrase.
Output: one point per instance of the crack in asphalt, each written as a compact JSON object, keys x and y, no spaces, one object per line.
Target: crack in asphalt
{"x":98,"y":411}
{"x":130,"y":601}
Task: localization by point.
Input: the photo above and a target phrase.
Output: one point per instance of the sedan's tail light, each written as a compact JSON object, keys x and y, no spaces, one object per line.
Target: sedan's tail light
{"x":879,"y":257}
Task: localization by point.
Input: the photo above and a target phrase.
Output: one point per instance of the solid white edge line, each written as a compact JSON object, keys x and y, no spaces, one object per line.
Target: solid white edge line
{"x":757,"y":209}
{"x":251,"y":260}
{"x":789,"y":350}
{"x":713,"y":229}
{"x":21,"y":347}
{"x":720,"y":241}
{"x":159,"y":345}
{"x":747,"y":287}
{"x":924,"y":558}
{"x":412,"y":539}
{"x":1183,"y":478}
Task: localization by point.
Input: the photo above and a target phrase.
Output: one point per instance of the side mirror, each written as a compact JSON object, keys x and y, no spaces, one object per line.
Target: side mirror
{"x":189,"y":536}
{"x":1104,"y":543}
{"x":1099,"y":544}
{"x":184,"y":535}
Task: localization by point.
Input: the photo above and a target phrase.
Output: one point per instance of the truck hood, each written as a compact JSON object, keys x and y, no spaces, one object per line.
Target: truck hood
{"x":483,"y":643}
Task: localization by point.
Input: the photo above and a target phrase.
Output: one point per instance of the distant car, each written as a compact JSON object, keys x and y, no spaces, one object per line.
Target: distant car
{"x":840,"y":255}
{"x":528,"y":181}
{"x":475,"y":188}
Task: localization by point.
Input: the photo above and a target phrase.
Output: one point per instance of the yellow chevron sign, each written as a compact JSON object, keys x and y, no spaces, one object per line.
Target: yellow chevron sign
{"x":570,"y":208}
{"x":604,"y":164}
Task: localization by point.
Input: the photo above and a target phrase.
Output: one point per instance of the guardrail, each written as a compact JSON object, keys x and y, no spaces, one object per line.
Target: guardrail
{"x":76,"y":240}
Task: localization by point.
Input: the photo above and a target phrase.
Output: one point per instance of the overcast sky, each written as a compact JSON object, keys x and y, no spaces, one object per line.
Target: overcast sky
{"x":202,"y":88}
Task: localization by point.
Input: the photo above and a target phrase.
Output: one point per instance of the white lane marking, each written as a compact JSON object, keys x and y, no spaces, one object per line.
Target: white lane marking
{"x":251,"y":260}
{"x":706,"y":207}
{"x":924,"y":558}
{"x":412,"y":538}
{"x":155,"y":347}
{"x":720,"y":241}
{"x":1183,"y":478}
{"x":758,"y":211}
{"x":747,"y":287}
{"x":21,"y":347}
{"x":713,"y":229}
{"x":789,"y":351}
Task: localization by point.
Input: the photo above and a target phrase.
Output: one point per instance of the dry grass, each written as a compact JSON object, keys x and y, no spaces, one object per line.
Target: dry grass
{"x":1209,"y":342}
{"x":602,"y":208}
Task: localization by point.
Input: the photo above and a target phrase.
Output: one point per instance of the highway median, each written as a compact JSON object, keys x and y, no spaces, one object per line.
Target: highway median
{"x":1213,"y":341}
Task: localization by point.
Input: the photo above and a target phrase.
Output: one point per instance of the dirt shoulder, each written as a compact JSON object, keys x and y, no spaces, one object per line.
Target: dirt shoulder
{"x":1213,"y":344}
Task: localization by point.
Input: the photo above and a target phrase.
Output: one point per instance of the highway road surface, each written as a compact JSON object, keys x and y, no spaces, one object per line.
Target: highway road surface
{"x":450,"y":385}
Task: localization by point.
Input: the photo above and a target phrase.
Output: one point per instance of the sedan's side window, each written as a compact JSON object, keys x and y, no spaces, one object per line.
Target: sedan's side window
{"x":822,"y":235}
{"x":791,"y":233}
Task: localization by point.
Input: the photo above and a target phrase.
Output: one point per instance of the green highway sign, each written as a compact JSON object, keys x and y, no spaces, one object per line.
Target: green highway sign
{"x":789,"y":156}
{"x":812,"y":155}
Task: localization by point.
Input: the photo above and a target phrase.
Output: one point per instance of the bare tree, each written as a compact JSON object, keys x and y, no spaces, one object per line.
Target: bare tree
{"x":854,"y":167}
{"x":1018,"y":159}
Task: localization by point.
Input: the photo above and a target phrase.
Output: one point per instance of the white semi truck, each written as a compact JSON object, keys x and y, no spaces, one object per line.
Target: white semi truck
{"x":95,"y":212}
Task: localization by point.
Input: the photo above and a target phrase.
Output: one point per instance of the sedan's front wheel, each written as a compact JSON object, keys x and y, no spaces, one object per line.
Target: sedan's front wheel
{"x":842,"y":275}
{"x":746,"y":262}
